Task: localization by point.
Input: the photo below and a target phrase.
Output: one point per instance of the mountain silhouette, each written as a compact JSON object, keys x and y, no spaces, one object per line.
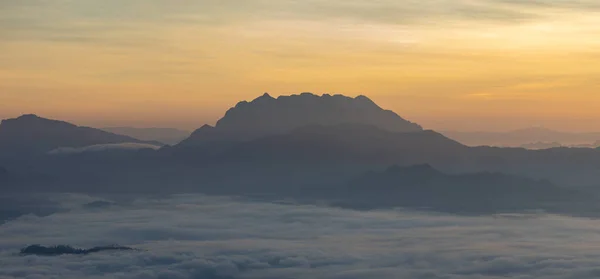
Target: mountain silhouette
{"x":266,"y":116}
{"x":422,"y":186}
{"x":31,"y":134}
{"x":346,"y":143}
{"x":522,"y":137}
{"x":164,"y":135}
{"x":541,"y":145}
{"x":355,"y":145}
{"x":10,"y":182}
{"x":593,"y":145}
{"x":275,"y":160}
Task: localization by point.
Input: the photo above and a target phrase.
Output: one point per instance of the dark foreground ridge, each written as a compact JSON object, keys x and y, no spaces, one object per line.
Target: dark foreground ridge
{"x":68,"y":250}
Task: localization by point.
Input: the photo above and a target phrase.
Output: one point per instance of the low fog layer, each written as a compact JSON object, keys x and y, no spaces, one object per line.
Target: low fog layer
{"x":103,"y":147}
{"x":164,"y":135}
{"x":192,"y":236}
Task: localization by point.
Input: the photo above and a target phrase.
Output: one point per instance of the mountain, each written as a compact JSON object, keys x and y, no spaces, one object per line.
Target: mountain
{"x":236,"y":161}
{"x":31,"y":134}
{"x":521,"y":137}
{"x":422,"y":186}
{"x":593,"y":145}
{"x":346,"y":143}
{"x":360,"y":147}
{"x":541,"y":145}
{"x":8,"y":182}
{"x":4,"y":176}
{"x":265,"y":116}
{"x":165,"y":135}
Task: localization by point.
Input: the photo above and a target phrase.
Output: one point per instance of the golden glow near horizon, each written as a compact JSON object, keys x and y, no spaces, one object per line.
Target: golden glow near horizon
{"x":446,"y":64}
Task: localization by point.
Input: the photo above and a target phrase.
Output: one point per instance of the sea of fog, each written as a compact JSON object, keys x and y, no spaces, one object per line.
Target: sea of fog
{"x":195,"y":236}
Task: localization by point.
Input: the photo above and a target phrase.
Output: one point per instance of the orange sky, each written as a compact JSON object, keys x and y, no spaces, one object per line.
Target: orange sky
{"x":446,"y":64}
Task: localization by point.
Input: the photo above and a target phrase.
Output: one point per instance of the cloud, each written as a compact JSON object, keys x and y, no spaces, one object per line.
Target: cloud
{"x":103,"y":147}
{"x":581,"y":5}
{"x":129,"y":23}
{"x":191,"y":236}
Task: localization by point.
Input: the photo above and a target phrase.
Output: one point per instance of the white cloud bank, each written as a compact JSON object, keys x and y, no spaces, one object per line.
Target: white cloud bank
{"x":205,"y":237}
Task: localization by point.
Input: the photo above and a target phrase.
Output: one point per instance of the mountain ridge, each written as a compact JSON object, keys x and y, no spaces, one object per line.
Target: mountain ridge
{"x":336,"y":143}
{"x":30,"y":134}
{"x":423,"y":186}
{"x":525,"y":136}
{"x":266,"y":116}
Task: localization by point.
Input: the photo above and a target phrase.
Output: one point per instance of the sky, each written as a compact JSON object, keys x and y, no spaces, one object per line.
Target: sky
{"x":446,"y":64}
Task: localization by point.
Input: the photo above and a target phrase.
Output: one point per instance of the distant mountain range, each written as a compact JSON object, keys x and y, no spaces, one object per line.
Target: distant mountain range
{"x":422,"y":186}
{"x":339,"y":143}
{"x":31,"y":134}
{"x":266,"y":116}
{"x":547,"y":145}
{"x":291,"y":145}
{"x":593,"y":145}
{"x":301,"y":129}
{"x":542,"y":145}
{"x":165,"y":135}
{"x":523,"y":137}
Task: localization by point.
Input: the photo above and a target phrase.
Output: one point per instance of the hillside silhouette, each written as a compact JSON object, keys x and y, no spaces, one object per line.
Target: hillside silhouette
{"x":31,"y":134}
{"x":265,"y":116}
{"x":245,"y":154}
{"x":422,"y":186}
{"x":541,"y":145}
{"x":344,"y":143}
